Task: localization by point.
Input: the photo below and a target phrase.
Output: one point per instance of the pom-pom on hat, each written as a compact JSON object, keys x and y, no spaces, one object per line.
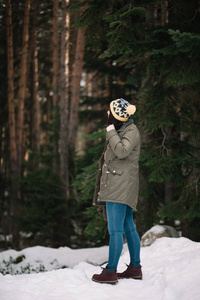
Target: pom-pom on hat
{"x":122,"y":109}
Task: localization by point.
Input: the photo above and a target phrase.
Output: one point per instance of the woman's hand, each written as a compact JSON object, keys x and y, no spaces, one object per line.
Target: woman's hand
{"x":110,"y":127}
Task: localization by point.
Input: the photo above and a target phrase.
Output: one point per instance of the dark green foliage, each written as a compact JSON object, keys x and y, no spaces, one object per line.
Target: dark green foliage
{"x":133,"y":55}
{"x":159,"y":63}
{"x":43,"y":210}
{"x":95,"y":228}
{"x":186,"y":207}
{"x":8,"y":267}
{"x":181,"y":65}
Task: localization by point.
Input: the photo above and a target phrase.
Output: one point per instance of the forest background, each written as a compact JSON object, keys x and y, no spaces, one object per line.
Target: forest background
{"x":62,"y":62}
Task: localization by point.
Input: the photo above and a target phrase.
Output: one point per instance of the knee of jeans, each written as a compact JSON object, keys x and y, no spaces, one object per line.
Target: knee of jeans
{"x":115,"y":232}
{"x":129,"y":231}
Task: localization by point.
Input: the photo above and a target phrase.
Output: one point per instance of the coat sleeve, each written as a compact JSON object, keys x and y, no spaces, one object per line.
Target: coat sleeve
{"x":122,"y":147}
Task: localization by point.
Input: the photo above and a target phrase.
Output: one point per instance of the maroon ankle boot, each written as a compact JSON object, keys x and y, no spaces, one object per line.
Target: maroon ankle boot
{"x":107,"y":276}
{"x":131,"y":272}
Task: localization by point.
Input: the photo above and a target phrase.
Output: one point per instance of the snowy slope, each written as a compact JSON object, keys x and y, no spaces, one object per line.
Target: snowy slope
{"x":171,"y":269}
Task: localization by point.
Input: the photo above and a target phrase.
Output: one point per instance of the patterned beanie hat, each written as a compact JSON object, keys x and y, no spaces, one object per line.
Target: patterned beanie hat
{"x":122,"y":109}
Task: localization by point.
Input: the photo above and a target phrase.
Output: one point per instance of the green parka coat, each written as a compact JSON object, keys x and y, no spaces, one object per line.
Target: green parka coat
{"x":118,"y":176}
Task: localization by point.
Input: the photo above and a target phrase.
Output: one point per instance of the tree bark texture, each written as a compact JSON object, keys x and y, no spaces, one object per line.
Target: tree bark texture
{"x":75,"y":88}
{"x":22,"y":85}
{"x":12,"y":228}
{"x":72,"y":38}
{"x":36,"y":108}
{"x":64,"y":98}
{"x":10,"y":75}
{"x":55,"y":82}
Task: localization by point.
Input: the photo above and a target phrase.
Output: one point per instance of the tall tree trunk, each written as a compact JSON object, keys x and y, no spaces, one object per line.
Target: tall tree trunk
{"x":22,"y":85}
{"x":55,"y":82}
{"x":164,"y":13}
{"x":12,"y":227}
{"x":75,"y":88}
{"x":64,"y":99}
{"x":11,"y":105}
{"x":36,"y":109}
{"x":72,"y":38}
{"x":77,"y":69}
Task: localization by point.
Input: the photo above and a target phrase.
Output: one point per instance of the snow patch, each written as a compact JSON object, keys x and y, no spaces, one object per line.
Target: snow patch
{"x":171,"y":271}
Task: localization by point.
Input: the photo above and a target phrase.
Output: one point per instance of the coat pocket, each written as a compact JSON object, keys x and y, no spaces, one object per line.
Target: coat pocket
{"x":115,"y":171}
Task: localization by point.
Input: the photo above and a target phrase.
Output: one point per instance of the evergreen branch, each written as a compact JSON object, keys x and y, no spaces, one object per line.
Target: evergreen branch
{"x":163,"y":147}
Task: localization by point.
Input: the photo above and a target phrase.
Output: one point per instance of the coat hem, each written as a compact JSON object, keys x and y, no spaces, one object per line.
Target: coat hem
{"x":114,"y":201}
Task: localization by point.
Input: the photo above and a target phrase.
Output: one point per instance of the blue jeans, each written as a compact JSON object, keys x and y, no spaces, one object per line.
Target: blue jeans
{"x":120,"y":220}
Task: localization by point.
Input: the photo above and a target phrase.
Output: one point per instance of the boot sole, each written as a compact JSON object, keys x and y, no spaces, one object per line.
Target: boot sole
{"x":109,"y":282}
{"x":133,"y":277}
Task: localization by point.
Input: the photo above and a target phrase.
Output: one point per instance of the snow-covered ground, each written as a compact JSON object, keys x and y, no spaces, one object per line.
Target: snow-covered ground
{"x":171,"y":271}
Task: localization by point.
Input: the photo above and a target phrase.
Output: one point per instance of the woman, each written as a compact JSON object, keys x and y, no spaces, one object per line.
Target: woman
{"x":117,"y":188}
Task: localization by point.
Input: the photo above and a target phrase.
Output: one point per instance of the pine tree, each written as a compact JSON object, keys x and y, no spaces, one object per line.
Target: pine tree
{"x":157,"y":45}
